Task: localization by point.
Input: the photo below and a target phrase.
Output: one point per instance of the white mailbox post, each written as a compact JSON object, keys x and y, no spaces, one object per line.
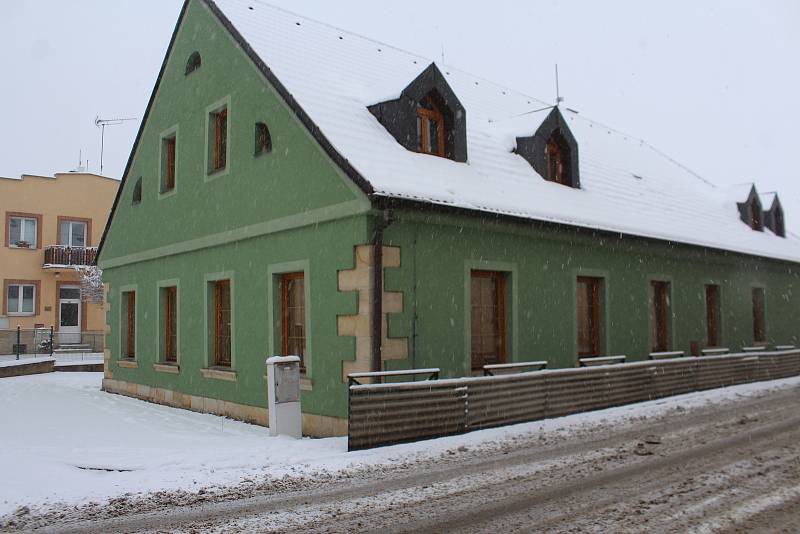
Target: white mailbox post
{"x":283,"y":393}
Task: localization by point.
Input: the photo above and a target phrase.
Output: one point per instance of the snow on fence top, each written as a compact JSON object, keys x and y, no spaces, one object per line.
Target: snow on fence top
{"x":26,"y":361}
{"x":459,"y":381}
{"x":627,"y":186}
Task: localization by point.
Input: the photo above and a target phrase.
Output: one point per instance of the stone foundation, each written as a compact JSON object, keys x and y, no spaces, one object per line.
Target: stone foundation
{"x":317,"y":426}
{"x":107,"y":352}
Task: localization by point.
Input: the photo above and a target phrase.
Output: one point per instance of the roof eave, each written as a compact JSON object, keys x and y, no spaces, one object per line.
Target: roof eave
{"x":383,"y":202}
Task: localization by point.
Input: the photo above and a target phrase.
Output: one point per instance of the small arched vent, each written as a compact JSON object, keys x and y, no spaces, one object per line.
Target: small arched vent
{"x":263,"y":139}
{"x":193,"y":63}
{"x":137,"y":191}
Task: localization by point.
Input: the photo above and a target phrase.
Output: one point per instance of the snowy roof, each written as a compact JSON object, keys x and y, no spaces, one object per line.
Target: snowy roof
{"x":767,"y":199}
{"x":627,"y":186}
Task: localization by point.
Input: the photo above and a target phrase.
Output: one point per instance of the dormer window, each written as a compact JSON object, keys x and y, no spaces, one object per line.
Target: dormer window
{"x":427,"y":117}
{"x":555,"y":170}
{"x":755,"y":217}
{"x":779,"y":227}
{"x":430,"y":128}
{"x":750,"y":210}
{"x":772,"y":216}
{"x":552,"y":151}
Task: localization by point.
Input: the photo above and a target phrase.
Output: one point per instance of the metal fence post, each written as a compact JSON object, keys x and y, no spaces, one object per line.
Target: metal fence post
{"x":51,"y":340}
{"x":19,"y":340}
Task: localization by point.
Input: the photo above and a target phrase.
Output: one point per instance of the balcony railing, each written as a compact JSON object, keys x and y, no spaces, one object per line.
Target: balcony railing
{"x":57,"y":255}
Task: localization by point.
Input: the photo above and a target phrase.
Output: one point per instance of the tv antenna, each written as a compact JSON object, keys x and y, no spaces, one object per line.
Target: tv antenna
{"x":102,"y":123}
{"x":559,"y":98}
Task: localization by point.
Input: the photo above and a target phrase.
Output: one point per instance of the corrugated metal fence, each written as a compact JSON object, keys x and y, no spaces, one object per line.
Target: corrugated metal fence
{"x":383,"y":414}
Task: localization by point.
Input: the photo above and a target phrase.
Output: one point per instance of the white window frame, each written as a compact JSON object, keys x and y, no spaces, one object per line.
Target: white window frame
{"x":22,"y":236}
{"x":69,"y":223}
{"x":20,"y":299}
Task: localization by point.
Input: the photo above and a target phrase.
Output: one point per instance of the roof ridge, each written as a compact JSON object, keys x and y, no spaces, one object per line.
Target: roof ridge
{"x":337,"y":28}
{"x":417,"y":55}
{"x":488,"y":81}
{"x":648,"y":145}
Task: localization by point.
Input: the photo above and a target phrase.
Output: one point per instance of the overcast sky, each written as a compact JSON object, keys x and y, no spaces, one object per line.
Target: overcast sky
{"x":714,"y":84}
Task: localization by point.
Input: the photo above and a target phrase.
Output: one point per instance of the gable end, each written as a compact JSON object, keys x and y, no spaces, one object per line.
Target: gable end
{"x":313,"y":129}
{"x":142,"y":124}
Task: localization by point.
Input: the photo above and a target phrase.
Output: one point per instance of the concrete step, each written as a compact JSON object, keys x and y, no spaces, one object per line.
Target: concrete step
{"x":79,"y":367}
{"x":71,"y":350}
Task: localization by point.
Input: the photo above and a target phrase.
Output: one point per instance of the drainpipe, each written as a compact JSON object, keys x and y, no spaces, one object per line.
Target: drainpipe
{"x":377,"y":289}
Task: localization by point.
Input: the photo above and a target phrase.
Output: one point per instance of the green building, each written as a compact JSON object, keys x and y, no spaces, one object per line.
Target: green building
{"x":297,"y":189}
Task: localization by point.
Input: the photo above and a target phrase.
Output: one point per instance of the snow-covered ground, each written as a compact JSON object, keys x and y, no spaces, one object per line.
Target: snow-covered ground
{"x":66,"y":442}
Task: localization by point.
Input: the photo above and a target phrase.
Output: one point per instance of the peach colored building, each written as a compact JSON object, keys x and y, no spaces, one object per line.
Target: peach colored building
{"x":51,"y":225}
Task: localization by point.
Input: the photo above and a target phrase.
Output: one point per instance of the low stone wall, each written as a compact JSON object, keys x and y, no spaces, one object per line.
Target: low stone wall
{"x":317,"y":426}
{"x":88,"y":367}
{"x":30,"y":367}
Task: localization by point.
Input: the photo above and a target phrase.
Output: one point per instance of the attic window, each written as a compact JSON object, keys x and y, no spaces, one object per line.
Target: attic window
{"x":557,"y":159}
{"x":263,"y":140}
{"x":755,"y":217}
{"x":779,"y":227}
{"x":772,"y":216}
{"x":750,"y":211}
{"x":137,"y":191}
{"x":430,"y":128}
{"x":427,"y":117}
{"x":555,"y":170}
{"x":193,"y":63}
{"x":552,"y":151}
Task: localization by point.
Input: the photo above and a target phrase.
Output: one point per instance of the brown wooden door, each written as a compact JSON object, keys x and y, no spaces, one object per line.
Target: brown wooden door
{"x":589,"y":315}
{"x":712,"y":315}
{"x":759,"y":330}
{"x":487,"y":296}
{"x":659,"y":316}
